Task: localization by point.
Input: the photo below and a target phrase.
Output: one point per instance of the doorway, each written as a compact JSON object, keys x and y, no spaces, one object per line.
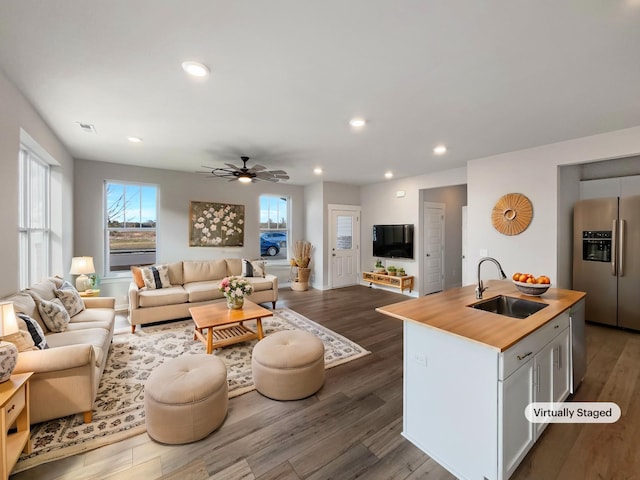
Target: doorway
{"x":433,"y":235}
{"x":344,"y":237}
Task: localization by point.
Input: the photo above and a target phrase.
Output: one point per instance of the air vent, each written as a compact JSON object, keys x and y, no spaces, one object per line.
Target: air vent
{"x":87,"y":127}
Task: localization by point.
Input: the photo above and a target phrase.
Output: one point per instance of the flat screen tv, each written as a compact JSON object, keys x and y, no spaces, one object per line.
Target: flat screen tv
{"x":393,"y":241}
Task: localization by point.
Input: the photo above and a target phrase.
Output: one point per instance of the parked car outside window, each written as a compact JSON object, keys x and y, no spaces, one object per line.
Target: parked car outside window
{"x":268,"y":247}
{"x":280,"y":238}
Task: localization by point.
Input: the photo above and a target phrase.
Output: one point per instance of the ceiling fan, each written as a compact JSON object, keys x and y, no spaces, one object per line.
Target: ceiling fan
{"x":247,"y":175}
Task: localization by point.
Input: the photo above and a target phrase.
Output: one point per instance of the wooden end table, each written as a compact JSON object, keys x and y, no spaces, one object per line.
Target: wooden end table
{"x":14,"y":409}
{"x":225,"y":326}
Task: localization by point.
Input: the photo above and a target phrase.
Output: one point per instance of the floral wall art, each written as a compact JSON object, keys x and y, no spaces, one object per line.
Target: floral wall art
{"x":216,"y":225}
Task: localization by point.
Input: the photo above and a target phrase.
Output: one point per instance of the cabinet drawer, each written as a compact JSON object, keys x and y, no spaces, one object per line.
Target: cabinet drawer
{"x":15,"y":406}
{"x":525,"y":349}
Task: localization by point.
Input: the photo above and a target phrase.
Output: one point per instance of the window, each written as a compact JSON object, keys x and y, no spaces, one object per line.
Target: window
{"x":274,"y":226}
{"x":130,"y":225}
{"x":34,"y":224}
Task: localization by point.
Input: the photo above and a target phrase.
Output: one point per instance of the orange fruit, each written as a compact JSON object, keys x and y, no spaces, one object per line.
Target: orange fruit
{"x":516,"y":276}
{"x":523,"y":277}
{"x":531,"y":279}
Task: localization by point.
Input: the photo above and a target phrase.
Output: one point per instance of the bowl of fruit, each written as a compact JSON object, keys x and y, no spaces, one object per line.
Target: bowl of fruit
{"x":530,"y":285}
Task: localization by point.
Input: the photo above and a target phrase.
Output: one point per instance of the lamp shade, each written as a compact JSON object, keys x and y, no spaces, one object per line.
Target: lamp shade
{"x":82,"y":266}
{"x":8,"y":322}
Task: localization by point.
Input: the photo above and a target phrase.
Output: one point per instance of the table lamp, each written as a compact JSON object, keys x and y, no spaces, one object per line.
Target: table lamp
{"x":8,"y":351}
{"x":82,"y":266}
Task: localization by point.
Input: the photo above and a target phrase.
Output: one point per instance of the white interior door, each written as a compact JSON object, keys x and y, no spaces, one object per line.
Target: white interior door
{"x":345,"y":246}
{"x":433,"y":248}
{"x":465,"y":266}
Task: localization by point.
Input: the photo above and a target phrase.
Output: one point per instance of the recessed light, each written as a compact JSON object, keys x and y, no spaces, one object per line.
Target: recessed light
{"x":317,"y":171}
{"x":357,"y":122}
{"x":388,"y":175}
{"x":134,"y":139}
{"x":440,"y":149}
{"x":196,"y":69}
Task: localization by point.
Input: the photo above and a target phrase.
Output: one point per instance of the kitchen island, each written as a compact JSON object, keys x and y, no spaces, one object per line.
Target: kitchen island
{"x":469,"y":374}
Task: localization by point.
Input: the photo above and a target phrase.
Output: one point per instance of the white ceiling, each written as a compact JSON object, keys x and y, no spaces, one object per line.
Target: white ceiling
{"x":483,"y":77}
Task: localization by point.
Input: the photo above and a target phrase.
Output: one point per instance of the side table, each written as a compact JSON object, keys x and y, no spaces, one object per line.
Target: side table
{"x":14,"y":409}
{"x":90,"y":293}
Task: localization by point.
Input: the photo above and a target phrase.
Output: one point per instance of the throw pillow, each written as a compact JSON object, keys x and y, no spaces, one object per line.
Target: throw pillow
{"x":21,"y":339}
{"x":53,"y":314}
{"x":70,"y":298}
{"x":252,"y":268}
{"x":136,"y":273}
{"x":156,"y":276}
{"x":35,"y":330}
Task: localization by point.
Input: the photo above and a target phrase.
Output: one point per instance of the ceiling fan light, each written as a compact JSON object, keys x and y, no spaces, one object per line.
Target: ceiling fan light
{"x":244,"y":179}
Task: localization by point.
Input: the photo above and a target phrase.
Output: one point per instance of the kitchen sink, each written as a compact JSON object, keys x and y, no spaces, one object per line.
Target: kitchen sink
{"x":509,"y":306}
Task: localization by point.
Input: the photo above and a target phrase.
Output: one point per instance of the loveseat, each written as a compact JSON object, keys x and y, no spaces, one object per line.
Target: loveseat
{"x":193,"y":283}
{"x":68,"y":369}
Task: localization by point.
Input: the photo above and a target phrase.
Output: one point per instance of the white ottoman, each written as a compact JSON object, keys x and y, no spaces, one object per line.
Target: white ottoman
{"x":288,"y":365}
{"x":186,"y":398}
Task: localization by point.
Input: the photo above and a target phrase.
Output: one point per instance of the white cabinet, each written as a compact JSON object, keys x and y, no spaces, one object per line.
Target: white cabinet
{"x":517,"y":435}
{"x":534,"y":370}
{"x":452,"y":386}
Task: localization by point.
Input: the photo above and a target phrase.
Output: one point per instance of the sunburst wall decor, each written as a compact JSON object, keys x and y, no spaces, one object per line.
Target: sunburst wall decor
{"x":512,"y":214}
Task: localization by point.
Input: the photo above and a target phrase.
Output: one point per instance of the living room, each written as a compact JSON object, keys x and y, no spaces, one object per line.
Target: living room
{"x":545,"y":167}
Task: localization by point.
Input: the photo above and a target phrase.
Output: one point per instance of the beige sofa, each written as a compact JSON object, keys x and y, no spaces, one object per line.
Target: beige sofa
{"x":193,"y":283}
{"x":67,"y":374}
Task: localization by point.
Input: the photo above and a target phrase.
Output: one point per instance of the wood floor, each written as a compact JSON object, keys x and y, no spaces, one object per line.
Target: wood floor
{"x":352,"y":427}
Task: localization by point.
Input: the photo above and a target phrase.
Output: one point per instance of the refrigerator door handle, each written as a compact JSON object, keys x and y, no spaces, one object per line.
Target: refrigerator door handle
{"x":614,"y":246}
{"x":621,"y":248}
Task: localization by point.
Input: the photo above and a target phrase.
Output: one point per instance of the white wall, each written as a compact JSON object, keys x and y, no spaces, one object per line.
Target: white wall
{"x":176,"y":190}
{"x":381,"y":205}
{"x":17,"y":113}
{"x":534,"y":173}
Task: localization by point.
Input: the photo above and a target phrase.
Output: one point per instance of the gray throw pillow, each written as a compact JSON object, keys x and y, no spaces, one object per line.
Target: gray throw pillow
{"x":70,"y":298}
{"x":53,"y":314}
{"x":35,"y":331}
{"x":253,"y":268}
{"x":156,"y":276}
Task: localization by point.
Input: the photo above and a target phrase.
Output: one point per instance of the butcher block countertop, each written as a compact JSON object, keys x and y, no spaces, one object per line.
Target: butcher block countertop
{"x":449,"y":311}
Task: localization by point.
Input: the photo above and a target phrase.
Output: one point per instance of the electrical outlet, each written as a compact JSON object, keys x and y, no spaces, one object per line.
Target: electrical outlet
{"x":420,"y":358}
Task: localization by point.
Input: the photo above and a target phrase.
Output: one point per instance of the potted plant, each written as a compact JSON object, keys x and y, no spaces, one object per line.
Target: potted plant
{"x":401,"y":272}
{"x":379,"y":267}
{"x":391,"y":270}
{"x":300,"y":261}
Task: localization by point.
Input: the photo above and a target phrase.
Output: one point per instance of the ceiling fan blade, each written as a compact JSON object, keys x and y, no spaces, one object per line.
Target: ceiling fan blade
{"x":277,"y":172}
{"x":257,"y":168}
{"x":232,"y":166}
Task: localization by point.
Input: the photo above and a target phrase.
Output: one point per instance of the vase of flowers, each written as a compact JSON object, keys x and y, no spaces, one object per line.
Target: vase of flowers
{"x":234,"y":290}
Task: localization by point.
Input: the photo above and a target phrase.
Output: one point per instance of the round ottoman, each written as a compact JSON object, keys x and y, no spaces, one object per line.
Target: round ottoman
{"x":288,"y":365}
{"x":186,"y":398}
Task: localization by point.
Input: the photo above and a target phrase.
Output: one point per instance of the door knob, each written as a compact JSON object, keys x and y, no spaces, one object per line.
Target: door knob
{"x":428,"y":254}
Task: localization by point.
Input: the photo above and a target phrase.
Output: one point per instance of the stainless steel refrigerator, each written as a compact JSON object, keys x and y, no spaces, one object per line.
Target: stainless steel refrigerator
{"x":606,"y":259}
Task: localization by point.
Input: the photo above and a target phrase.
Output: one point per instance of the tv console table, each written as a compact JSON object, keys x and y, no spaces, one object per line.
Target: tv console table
{"x":403,"y":282}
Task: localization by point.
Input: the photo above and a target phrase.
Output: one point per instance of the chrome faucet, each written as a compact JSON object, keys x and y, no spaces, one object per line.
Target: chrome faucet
{"x":480,"y":287}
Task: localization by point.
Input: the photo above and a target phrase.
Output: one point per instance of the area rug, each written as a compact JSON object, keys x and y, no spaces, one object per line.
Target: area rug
{"x":119,"y":408}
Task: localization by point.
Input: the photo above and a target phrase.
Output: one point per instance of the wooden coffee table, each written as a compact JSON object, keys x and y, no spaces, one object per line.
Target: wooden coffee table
{"x":225,"y":326}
